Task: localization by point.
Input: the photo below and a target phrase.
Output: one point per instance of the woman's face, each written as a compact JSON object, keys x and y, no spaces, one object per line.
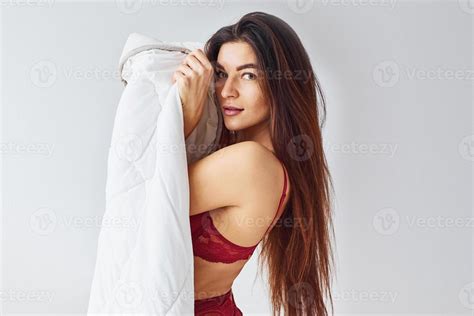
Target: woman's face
{"x":236,"y":83}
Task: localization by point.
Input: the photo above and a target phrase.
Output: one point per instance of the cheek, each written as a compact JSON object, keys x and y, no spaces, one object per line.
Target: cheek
{"x":257,"y":101}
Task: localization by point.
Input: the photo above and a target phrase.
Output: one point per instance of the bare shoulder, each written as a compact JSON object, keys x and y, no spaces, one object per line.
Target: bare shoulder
{"x":261,"y":193}
{"x":253,"y":152}
{"x":229,"y":177}
{"x":248,"y":157}
{"x":257,"y":161}
{"x":249,"y":149}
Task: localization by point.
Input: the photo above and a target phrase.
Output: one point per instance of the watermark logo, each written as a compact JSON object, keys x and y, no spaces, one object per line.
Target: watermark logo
{"x":386,"y":221}
{"x":359,"y":295}
{"x":43,"y":221}
{"x":439,"y":74}
{"x":300,"y":147}
{"x":135,"y":6}
{"x":300,"y":295}
{"x":192,"y":3}
{"x":466,"y":148}
{"x":466,"y":296}
{"x":128,"y":294}
{"x":129,"y":6}
{"x":361,"y":3}
{"x":208,"y":225}
{"x":362,"y":149}
{"x":90,"y":74}
{"x":439,"y":222}
{"x":41,"y":149}
{"x":300,"y":6}
{"x":386,"y":73}
{"x":30,"y":295}
{"x":43,"y":74}
{"x":27,"y":3}
{"x":467,"y":6}
{"x":129,"y":147}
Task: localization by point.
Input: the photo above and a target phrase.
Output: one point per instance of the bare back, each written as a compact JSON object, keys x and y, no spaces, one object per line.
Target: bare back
{"x":241,"y":226}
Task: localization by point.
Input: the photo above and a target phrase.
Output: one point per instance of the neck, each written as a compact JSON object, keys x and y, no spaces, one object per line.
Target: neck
{"x":259,"y":133}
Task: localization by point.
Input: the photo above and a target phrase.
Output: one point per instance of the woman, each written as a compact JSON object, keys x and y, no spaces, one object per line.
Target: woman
{"x":269,"y":182}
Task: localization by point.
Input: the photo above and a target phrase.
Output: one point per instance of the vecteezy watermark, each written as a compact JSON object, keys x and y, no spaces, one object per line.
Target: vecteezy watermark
{"x":129,"y":6}
{"x":467,"y":6}
{"x":360,"y":3}
{"x":439,"y":74}
{"x":300,"y":6}
{"x":255,"y":221}
{"x":42,"y":149}
{"x":163,"y":294}
{"x":93,"y":73}
{"x":363,"y":149}
{"x":44,"y":221}
{"x":19,"y":295}
{"x":466,"y":147}
{"x":466,"y":296}
{"x":439,"y":222}
{"x":300,"y":147}
{"x":128,"y":147}
{"x":302,"y":75}
{"x":386,"y":221}
{"x":128,"y":294}
{"x":358,"y":295}
{"x":134,"y":6}
{"x":388,"y":73}
{"x":27,"y":3}
{"x":45,"y":73}
{"x":301,"y":294}
{"x":219,"y":4}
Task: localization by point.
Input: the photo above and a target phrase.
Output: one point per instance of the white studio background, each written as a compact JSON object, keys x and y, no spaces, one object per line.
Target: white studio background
{"x":398,"y":78}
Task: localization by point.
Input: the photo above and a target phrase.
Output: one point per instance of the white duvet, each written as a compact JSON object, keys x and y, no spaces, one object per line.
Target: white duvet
{"x":144,"y":259}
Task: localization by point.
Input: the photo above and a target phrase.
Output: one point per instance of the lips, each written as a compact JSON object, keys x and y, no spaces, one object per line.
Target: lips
{"x":230,"y":107}
{"x":231,"y":111}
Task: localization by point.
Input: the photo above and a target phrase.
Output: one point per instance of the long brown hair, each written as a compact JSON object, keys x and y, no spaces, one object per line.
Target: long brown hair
{"x":298,"y":249}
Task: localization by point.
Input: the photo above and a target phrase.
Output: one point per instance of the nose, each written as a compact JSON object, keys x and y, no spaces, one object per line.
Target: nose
{"x":229,"y":89}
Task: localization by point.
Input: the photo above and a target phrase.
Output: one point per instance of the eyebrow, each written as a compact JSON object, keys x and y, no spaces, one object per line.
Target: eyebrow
{"x":239,"y":67}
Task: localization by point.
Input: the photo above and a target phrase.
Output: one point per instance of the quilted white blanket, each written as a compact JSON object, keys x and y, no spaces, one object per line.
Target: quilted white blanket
{"x":144,"y":259}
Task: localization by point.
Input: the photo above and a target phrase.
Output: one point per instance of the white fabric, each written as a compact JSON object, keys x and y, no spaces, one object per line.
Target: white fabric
{"x":144,"y":259}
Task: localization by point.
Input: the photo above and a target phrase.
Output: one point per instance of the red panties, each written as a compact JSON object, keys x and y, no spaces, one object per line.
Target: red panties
{"x":222,"y":305}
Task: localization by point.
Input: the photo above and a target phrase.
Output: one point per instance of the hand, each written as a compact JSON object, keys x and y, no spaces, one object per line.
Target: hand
{"x":194,"y":77}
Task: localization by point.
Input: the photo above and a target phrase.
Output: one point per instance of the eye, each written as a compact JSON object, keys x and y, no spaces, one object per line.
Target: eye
{"x":252,"y":75}
{"x":219,"y":73}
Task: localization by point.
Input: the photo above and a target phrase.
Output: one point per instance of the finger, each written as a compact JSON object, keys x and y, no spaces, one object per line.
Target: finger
{"x":174,"y":77}
{"x":195,"y":64}
{"x":201,"y":56}
{"x":178,"y":76}
{"x":185,"y":70}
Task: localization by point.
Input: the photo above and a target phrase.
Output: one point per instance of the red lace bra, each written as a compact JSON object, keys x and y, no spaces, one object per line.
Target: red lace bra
{"x":210,"y":245}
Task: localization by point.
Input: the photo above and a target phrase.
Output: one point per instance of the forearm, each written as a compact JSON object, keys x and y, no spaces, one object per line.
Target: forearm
{"x":190,"y":120}
{"x":189,"y":124}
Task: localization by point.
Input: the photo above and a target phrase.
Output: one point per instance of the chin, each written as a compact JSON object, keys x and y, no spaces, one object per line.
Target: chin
{"x":232,"y":127}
